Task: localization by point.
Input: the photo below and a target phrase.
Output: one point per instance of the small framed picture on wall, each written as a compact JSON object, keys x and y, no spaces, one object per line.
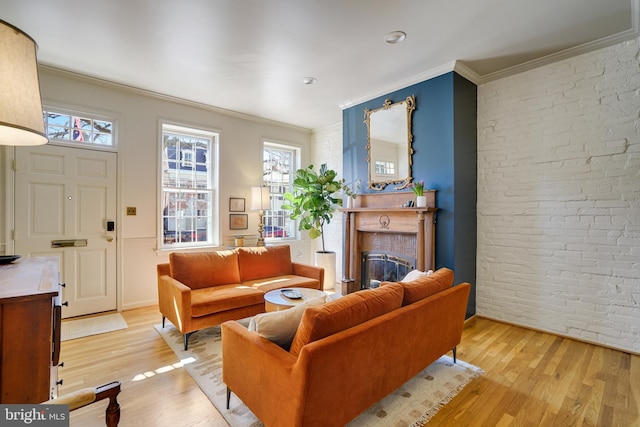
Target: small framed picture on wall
{"x":238,"y":221}
{"x":236,"y":204}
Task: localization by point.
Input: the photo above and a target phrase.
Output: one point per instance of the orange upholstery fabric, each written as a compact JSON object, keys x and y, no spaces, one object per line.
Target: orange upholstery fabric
{"x":205,"y":269}
{"x":260,"y":262}
{"x":425,"y":286}
{"x":360,"y":364}
{"x":200,"y":290}
{"x":344,"y":313}
{"x":223,"y":297}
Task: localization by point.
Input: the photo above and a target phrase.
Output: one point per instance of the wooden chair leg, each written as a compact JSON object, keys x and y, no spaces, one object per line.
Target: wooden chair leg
{"x":455,"y":360}
{"x":113,"y":412}
{"x":163,"y":319}
{"x":228,"y":396}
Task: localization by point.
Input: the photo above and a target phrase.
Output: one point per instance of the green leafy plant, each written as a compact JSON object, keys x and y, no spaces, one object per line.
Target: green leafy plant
{"x":314,"y":199}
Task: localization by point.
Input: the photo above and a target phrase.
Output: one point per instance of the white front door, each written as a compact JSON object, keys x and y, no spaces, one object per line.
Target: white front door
{"x":65,"y":202}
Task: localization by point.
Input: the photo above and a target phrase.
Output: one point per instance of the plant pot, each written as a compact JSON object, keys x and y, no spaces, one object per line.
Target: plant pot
{"x":421,"y":201}
{"x":327,"y":260}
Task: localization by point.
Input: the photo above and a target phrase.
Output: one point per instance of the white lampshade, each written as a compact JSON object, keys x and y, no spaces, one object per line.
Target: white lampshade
{"x":260,"y":198}
{"x":21,"y":121}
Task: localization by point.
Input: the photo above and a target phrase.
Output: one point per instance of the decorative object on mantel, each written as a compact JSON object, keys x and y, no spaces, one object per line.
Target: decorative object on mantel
{"x":313,"y":201}
{"x":260,"y":201}
{"x":21,"y":120}
{"x":418,"y":190}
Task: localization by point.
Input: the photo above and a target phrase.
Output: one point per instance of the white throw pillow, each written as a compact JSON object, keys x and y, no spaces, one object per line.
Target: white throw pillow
{"x":415,"y":275}
{"x":281,"y":326}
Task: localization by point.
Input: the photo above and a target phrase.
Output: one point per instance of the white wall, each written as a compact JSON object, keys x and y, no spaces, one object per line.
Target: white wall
{"x":559,"y":198}
{"x":327,"y":148}
{"x":138,"y":116}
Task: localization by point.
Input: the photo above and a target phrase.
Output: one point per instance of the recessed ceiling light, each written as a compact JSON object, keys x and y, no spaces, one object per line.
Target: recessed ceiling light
{"x":309,"y":80}
{"x":395,"y":37}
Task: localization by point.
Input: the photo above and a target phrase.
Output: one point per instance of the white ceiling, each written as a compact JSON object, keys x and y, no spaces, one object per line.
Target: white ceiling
{"x":250,"y":56}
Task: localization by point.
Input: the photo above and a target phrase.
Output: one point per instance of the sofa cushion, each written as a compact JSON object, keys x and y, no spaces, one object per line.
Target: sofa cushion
{"x":425,"y":286}
{"x":281,"y":326}
{"x":221,"y":298}
{"x":260,"y":262}
{"x":344,"y":313}
{"x":204,"y":269}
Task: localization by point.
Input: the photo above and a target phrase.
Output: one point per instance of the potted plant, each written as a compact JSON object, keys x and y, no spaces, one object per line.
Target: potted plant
{"x":314,"y":199}
{"x":418,"y":190}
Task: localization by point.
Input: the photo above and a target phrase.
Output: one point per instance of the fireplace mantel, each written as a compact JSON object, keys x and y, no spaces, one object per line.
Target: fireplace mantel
{"x":379,"y":220}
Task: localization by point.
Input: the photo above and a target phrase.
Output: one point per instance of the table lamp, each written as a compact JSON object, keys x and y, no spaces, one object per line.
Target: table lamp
{"x":260,"y":201}
{"x":21,"y":121}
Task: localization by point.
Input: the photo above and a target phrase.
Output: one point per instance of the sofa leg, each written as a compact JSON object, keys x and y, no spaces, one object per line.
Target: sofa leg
{"x":228,"y":396}
{"x":454,"y":354}
{"x":186,"y":340}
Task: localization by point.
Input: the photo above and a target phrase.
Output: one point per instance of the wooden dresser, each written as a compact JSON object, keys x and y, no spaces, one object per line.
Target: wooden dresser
{"x":29,"y":330}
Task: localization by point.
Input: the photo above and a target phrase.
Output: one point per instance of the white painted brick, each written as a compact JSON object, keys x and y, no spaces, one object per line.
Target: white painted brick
{"x":559,"y":197}
{"x":327,"y":148}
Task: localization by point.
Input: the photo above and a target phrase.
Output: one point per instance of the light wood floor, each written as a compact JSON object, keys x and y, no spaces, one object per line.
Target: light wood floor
{"x":531,"y":379}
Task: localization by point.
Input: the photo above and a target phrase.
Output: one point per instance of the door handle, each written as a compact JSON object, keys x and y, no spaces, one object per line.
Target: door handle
{"x":109,"y":239}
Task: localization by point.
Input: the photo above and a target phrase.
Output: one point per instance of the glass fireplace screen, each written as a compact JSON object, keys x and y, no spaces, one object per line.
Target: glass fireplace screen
{"x":384,"y":267}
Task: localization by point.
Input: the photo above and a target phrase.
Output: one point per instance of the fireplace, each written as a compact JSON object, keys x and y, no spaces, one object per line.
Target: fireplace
{"x":398,"y":236}
{"x":382,"y":266}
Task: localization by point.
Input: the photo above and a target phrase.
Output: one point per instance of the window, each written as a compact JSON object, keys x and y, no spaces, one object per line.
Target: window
{"x":187,"y":200}
{"x":75,"y":129}
{"x":279,"y":163}
{"x":385,"y":168}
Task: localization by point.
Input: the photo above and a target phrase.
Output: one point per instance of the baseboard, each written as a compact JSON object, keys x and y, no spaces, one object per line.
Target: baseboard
{"x":624,"y":350}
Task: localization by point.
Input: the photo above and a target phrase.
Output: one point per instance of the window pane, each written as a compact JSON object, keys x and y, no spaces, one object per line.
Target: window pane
{"x":81,"y":130}
{"x":278,"y":163}
{"x":187,"y":201}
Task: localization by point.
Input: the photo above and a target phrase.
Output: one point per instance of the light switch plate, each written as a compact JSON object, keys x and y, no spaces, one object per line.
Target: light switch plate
{"x":131,"y":210}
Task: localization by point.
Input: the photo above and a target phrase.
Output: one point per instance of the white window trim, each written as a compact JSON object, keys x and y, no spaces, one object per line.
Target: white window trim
{"x":197,"y":131}
{"x":297,"y":150}
{"x":89,"y":115}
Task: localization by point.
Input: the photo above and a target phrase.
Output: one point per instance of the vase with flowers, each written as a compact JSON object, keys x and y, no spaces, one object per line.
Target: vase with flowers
{"x":418,"y":190}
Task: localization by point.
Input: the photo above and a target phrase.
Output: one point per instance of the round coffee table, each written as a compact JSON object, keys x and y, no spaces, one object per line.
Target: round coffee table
{"x":274,"y":300}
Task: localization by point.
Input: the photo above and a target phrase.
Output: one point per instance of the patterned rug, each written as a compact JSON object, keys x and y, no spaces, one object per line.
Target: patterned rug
{"x":412,"y":404}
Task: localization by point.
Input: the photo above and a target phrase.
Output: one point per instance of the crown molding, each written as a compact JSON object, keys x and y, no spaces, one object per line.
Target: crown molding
{"x":466,"y":72}
{"x":559,"y":56}
{"x":401,"y":84}
{"x":168,"y":98}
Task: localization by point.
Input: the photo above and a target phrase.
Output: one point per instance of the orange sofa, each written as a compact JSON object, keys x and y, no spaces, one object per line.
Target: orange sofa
{"x":356,"y":349}
{"x":200,"y":290}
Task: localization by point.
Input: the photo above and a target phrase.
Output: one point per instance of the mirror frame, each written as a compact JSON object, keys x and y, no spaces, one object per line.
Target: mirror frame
{"x":410,"y":105}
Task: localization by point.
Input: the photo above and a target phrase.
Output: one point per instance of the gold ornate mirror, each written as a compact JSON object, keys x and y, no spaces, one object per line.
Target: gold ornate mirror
{"x":389,"y":147}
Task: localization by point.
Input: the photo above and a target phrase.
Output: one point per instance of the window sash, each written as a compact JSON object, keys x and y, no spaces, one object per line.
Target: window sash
{"x":79,"y":129}
{"x":187,"y":199}
{"x":279,"y":165}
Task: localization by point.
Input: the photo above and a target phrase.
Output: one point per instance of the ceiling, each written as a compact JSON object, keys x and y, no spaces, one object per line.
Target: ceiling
{"x":251,"y":56}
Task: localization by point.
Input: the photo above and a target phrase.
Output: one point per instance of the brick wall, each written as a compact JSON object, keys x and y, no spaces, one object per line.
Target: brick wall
{"x":559,"y":198}
{"x":326,"y":148}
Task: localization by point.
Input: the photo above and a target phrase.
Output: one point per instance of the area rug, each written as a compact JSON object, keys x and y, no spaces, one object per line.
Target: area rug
{"x":94,"y":325}
{"x":413,"y":404}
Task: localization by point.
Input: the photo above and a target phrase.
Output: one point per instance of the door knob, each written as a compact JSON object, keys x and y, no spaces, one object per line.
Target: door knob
{"x":109,"y":239}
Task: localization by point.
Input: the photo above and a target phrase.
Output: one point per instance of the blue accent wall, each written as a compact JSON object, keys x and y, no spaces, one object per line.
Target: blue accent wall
{"x":445,"y":157}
